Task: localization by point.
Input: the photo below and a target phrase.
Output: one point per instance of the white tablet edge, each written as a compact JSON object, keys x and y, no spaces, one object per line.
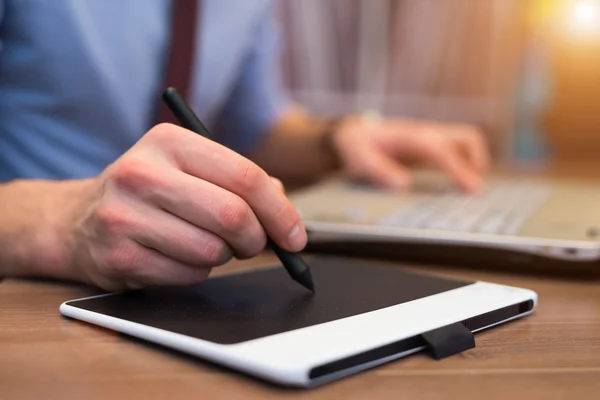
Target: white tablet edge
{"x":288,"y":358}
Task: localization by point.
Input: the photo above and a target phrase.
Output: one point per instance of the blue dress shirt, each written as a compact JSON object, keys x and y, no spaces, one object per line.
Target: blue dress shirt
{"x":80,"y":80}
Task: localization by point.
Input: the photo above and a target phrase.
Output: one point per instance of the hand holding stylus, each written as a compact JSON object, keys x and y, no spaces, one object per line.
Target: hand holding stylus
{"x":168,"y":210}
{"x":293,"y":263}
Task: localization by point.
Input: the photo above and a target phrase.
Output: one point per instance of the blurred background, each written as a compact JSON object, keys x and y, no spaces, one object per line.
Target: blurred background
{"x":526,"y":71}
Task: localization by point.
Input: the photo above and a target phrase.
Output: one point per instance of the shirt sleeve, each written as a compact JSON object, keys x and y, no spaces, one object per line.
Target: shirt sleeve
{"x":258,"y":98}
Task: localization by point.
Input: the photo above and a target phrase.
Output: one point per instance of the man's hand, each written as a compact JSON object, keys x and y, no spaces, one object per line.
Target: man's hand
{"x":375,"y":150}
{"x":167,"y":211}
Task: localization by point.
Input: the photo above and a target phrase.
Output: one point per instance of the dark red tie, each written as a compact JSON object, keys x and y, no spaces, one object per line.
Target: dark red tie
{"x":180,"y":52}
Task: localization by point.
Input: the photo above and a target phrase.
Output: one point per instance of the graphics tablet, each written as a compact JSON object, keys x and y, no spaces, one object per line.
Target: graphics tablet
{"x":264,"y":324}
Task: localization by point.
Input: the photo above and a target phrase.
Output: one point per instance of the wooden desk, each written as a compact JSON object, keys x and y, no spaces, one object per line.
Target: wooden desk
{"x":553,"y":354}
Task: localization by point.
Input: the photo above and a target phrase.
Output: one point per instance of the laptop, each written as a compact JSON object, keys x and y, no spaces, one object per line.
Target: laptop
{"x":519,"y":223}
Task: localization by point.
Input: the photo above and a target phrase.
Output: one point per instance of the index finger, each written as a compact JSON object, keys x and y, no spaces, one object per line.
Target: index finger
{"x":448,"y":160}
{"x":212,"y":162}
{"x":473,"y":143}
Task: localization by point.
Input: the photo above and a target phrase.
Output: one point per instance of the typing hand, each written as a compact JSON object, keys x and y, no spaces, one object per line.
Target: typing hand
{"x":173,"y":206}
{"x":375,"y":151}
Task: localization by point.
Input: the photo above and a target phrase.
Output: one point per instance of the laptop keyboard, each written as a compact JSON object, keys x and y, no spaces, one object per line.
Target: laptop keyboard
{"x":503,"y":209}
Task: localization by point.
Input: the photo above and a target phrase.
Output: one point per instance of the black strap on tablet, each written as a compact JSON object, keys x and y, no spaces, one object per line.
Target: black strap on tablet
{"x":449,"y":340}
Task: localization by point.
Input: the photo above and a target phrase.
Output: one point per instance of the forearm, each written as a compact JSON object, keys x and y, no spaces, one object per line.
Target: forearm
{"x":33,"y":215}
{"x":296,"y":149}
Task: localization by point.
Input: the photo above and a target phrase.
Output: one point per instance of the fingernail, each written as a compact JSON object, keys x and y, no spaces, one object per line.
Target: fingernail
{"x":278,"y":184}
{"x":297,"y":238}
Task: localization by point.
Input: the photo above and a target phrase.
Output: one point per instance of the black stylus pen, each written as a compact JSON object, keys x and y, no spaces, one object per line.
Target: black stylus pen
{"x":293,"y":263}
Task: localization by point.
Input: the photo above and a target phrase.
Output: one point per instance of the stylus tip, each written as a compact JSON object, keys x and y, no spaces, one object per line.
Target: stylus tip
{"x":305,"y":279}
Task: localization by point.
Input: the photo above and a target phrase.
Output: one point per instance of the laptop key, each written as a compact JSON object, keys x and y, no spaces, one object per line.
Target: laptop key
{"x":492,"y":224}
{"x":503,"y":209}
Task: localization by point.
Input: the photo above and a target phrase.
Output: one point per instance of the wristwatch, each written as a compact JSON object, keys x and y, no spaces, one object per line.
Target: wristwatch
{"x":331,"y":127}
{"x":371,"y":118}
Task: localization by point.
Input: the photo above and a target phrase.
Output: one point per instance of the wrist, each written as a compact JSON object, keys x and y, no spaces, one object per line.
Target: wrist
{"x":39,"y":240}
{"x":62,"y":229}
{"x":334,"y":132}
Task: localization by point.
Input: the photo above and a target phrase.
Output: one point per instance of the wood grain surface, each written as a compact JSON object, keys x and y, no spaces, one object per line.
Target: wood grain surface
{"x":553,"y":354}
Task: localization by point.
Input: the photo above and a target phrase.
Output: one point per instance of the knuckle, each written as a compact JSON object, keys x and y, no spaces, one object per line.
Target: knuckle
{"x":234,"y":215}
{"x":435,"y":152}
{"x":359,"y":166}
{"x":128,"y":171}
{"x":161,"y":134}
{"x":112,"y":217}
{"x":216,"y":252}
{"x":248,"y":176}
{"x":135,"y":173}
{"x":123,"y":260}
{"x":253,"y":247}
{"x":473,"y":133}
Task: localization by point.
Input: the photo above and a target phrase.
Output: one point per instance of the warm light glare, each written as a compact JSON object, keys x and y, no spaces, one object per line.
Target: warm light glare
{"x":585,"y":12}
{"x":585,"y":16}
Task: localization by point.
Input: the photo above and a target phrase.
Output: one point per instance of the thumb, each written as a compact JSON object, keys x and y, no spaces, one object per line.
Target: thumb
{"x":380,"y":169}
